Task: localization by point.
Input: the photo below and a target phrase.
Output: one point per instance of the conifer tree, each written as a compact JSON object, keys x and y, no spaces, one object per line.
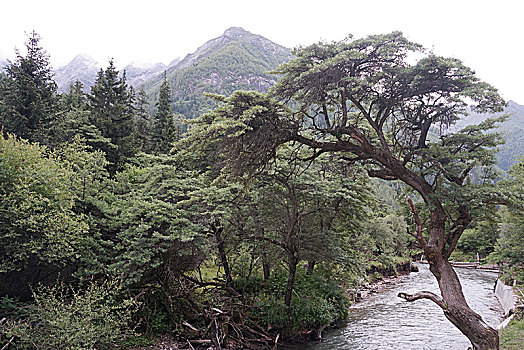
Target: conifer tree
{"x":112,"y":112}
{"x":143,"y":122}
{"x":28,"y":98}
{"x":74,"y":118}
{"x":165,"y":129}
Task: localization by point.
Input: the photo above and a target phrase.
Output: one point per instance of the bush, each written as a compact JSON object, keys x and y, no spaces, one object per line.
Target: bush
{"x":66,"y":318}
{"x":317,"y":302}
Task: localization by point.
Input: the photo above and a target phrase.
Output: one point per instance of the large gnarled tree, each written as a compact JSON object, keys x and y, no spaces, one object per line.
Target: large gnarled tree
{"x":364,"y":98}
{"x":364,"y":101}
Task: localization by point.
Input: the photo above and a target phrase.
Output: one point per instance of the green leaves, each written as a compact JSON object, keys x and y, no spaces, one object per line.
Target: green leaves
{"x":37,"y":220}
{"x":246,"y":129}
{"x":91,"y":317}
{"x":111,"y":105}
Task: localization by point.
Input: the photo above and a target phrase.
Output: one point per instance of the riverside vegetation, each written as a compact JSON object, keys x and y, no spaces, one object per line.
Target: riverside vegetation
{"x":258,"y":224}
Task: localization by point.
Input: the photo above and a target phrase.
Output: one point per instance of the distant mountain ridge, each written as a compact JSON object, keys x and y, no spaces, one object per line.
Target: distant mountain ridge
{"x":84,"y":69}
{"x":138,"y":73}
{"x":235,"y":60}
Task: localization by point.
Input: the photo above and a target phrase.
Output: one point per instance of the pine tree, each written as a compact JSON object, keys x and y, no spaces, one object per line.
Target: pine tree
{"x":112,"y":112}
{"x":165,"y":130}
{"x":28,"y":98}
{"x":74,"y":118}
{"x":143,"y":121}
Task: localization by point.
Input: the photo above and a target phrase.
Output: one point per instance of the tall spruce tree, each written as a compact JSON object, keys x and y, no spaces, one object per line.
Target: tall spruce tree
{"x":165,"y":129}
{"x":28,"y":98}
{"x":143,"y":122}
{"x":74,"y":118}
{"x":112,"y":112}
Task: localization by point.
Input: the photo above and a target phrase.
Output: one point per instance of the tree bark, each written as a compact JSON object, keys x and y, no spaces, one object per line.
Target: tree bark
{"x":310,"y":267}
{"x":456,"y":309}
{"x":453,"y":302}
{"x":292,"y":262}
{"x":266,"y":269}
{"x":222,"y":253}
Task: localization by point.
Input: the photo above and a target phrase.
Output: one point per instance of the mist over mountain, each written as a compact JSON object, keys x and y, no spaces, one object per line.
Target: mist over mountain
{"x":137,"y":73}
{"x":82,"y":68}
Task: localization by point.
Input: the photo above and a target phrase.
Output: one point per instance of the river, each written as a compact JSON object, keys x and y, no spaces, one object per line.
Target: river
{"x":384,"y":321}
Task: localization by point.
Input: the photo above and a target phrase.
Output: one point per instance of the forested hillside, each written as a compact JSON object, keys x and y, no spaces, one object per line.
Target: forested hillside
{"x":237,"y":60}
{"x":263,"y":221}
{"x":512,"y":130}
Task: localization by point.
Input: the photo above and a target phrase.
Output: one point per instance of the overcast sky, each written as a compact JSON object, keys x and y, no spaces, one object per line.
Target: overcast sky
{"x":486,"y":34}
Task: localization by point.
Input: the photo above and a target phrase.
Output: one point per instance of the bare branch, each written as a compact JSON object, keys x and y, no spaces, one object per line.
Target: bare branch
{"x":423,"y":295}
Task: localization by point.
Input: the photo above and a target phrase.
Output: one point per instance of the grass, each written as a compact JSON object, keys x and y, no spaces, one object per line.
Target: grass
{"x":512,"y":337}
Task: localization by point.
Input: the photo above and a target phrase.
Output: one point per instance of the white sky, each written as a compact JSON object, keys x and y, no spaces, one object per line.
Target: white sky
{"x":486,"y":34}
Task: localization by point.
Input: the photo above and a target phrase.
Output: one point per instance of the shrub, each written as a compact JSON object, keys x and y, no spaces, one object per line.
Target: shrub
{"x":317,"y":302}
{"x":63,"y":317}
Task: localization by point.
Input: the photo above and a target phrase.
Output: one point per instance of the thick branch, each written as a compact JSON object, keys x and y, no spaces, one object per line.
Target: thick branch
{"x":384,"y":174}
{"x":418,"y":223}
{"x":458,"y":228}
{"x":424,"y":295}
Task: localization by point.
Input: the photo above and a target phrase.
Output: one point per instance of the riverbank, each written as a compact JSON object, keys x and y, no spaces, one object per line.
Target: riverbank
{"x":381,"y":279}
{"x":511,"y":331}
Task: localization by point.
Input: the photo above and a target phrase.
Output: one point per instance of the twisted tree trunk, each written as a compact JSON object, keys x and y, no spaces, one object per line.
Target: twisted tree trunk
{"x":452,"y":300}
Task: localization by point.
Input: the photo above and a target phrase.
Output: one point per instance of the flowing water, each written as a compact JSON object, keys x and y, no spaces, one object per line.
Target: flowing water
{"x":384,"y":321}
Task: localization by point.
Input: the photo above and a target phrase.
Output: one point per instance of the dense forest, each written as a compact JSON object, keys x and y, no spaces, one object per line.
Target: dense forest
{"x":258,"y":221}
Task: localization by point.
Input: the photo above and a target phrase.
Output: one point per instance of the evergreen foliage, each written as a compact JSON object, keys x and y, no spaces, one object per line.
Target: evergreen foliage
{"x":112,"y":112}
{"x":165,"y":129}
{"x":144,"y":124}
{"x":28,"y":100}
{"x":509,"y":249}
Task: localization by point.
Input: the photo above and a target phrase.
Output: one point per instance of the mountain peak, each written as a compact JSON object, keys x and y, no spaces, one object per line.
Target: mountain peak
{"x":83,"y":58}
{"x":235,"y":32}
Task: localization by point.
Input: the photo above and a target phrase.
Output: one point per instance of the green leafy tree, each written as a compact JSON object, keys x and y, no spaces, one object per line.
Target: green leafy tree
{"x":111,"y":105}
{"x":94,"y":193}
{"x":39,"y":231}
{"x":310,"y":211}
{"x":362,"y":100}
{"x":28,"y":100}
{"x":509,"y":249}
{"x":294,"y":205}
{"x":74,"y":118}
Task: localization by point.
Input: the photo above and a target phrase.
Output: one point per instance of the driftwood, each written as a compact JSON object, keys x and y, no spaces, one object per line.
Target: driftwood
{"x":228,"y":322}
